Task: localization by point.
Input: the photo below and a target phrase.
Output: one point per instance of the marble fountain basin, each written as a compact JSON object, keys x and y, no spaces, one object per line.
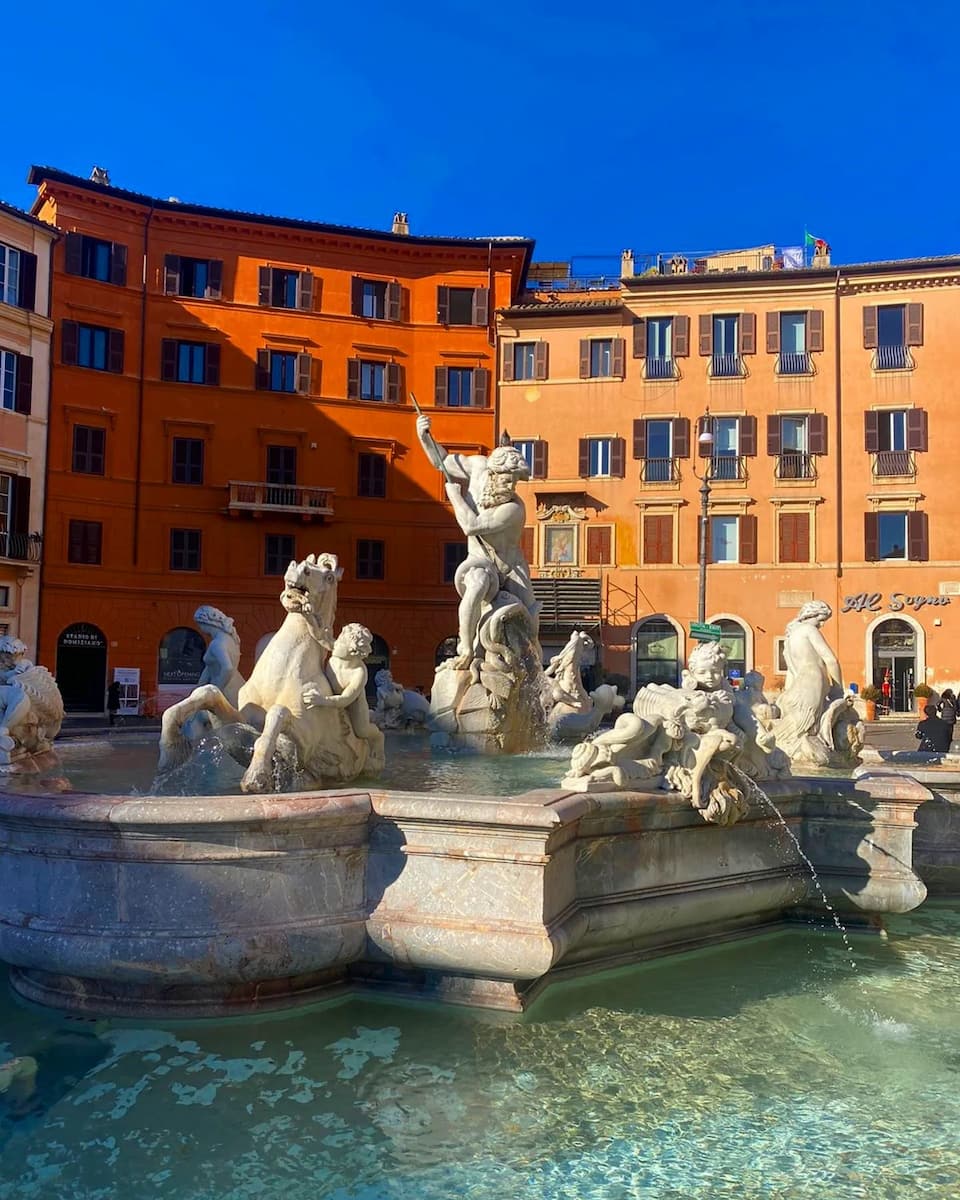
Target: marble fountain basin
{"x":204,"y":906}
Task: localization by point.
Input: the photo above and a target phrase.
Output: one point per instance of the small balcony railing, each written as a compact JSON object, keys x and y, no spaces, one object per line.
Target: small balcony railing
{"x":727,"y":466}
{"x":894,"y":462}
{"x":892,"y":358}
{"x":660,"y":368}
{"x":796,"y":464}
{"x":794,"y":363}
{"x":659,"y":470}
{"x":726,"y":366}
{"x":21,"y":547}
{"x":280,"y":498}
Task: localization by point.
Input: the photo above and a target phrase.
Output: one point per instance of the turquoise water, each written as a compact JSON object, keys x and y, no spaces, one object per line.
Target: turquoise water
{"x":765,"y":1069}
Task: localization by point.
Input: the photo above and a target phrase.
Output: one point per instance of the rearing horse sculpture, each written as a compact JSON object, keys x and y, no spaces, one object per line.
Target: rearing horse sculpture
{"x":319,"y":741}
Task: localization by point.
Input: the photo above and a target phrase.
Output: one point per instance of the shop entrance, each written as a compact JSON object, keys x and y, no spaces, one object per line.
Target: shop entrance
{"x":82,"y":668}
{"x":895,"y":650}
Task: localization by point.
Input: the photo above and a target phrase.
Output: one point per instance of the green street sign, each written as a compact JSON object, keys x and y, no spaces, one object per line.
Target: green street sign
{"x":705,"y":633}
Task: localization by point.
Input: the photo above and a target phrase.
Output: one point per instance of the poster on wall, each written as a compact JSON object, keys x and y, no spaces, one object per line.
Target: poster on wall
{"x":129,"y":680}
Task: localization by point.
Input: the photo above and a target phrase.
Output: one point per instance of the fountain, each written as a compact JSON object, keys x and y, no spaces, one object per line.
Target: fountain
{"x":570,"y":712}
{"x":32,"y":711}
{"x":398,"y":709}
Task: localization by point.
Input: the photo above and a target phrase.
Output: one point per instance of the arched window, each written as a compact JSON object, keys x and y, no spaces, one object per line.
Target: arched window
{"x":378,"y":659}
{"x":895,"y":661}
{"x":734,"y":641}
{"x":657,"y":653}
{"x":181,"y":656}
{"x":445,"y":649}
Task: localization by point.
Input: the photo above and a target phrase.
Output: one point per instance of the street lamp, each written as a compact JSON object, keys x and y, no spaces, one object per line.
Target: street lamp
{"x":705,"y":445}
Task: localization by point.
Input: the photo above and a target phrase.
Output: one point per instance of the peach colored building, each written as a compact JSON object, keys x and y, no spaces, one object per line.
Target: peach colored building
{"x":25,"y":334}
{"x":829,"y":394}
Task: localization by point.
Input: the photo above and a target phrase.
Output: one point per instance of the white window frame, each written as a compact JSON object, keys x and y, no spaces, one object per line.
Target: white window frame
{"x":902,"y":514}
{"x":8,"y":380}
{"x":803,"y":324}
{"x":803,"y":423}
{"x":525,"y":448}
{"x":668,"y":421}
{"x":524,"y":355}
{"x":885,"y":423}
{"x":11,"y":263}
{"x":714,"y":517}
{"x":608,"y":453}
{"x":665,"y":324}
{"x":608,"y":342}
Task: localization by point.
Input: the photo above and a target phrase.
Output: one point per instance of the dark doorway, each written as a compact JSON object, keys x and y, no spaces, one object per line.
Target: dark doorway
{"x":82,"y":668}
{"x":378,"y":659}
{"x":895,"y":650}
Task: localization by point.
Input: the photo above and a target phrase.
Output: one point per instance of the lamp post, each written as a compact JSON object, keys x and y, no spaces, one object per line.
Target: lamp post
{"x":705,"y":444}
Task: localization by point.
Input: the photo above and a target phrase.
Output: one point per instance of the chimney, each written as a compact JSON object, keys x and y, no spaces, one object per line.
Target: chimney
{"x":400,"y":224}
{"x":626,"y":264}
{"x":100,"y":175}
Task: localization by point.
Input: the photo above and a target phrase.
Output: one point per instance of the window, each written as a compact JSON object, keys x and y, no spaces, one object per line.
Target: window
{"x":599,"y":545}
{"x":89,"y":449}
{"x":726,"y":346}
{"x":892,"y":535}
{"x":8,"y":378}
{"x":892,"y":430}
{"x":525,"y":360}
{"x":372,"y":475}
{"x":658,"y":463}
{"x":187,"y":460}
{"x":794,"y":359}
{"x":375,"y":299}
{"x":85,"y":542}
{"x":281,"y":287}
{"x":282,"y":476}
{"x":724,"y":540}
{"x":659,"y":348}
{"x":601,"y":358}
{"x":600,"y":456}
{"x":524,"y":448}
{"x":657,"y":538}
{"x":279,"y":550}
{"x":199,"y":278}
{"x":181,"y":657}
{"x":461,"y":387}
{"x":890,"y":330}
{"x":453,"y":555}
{"x":534,"y":454}
{"x":657,"y":652}
{"x":795,"y":460}
{"x":893,"y":436}
{"x":890,"y":325}
{"x":94,"y":258}
{"x":283,"y":371}
{"x":896,"y":536}
{"x":371,"y":380}
{"x":91,"y":346}
{"x":733,"y":639}
{"x":190,"y":362}
{"x":726,"y":448}
{"x":9,"y":275}
{"x":794,"y":531}
{"x":370,"y":559}
{"x":184,"y":549}
{"x":463,"y":306}
{"x":5,"y":596}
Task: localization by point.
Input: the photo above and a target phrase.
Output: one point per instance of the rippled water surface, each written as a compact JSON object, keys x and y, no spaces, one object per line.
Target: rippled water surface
{"x":762,"y":1069}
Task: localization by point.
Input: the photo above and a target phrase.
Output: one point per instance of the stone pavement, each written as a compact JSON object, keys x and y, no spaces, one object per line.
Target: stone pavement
{"x":893,"y":733}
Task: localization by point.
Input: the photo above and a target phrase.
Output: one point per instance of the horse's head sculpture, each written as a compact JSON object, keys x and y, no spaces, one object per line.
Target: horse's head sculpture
{"x":310,"y":588}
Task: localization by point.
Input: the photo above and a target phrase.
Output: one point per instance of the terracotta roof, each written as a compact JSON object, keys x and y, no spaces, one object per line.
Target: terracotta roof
{"x":726,"y":278}
{"x":21,"y":215}
{"x":550,"y":307}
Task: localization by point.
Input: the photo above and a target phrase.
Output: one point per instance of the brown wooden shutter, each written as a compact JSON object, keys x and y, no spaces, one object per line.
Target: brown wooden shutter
{"x":263,"y":370}
{"x":27,"y":288}
{"x":584,"y":358}
{"x":640,"y":439}
{"x":657,"y":539}
{"x":748,"y":333}
{"x":393,"y":391}
{"x":507,"y":362}
{"x":443,"y":305}
{"x":786,"y":537}
{"x":541,"y":352}
{"x":527,"y":543}
{"x":69,"y":334}
{"x":815,"y":330}
{"x":871,"y":536}
{"x":618,"y":359}
{"x":20,"y":504}
{"x":353,"y":378}
{"x":802,"y":536}
{"x":539,"y":470}
{"x":681,"y":337}
{"x":214,"y":279}
{"x":305,"y":290}
{"x":263,"y":289}
{"x":211,"y":366}
{"x":640,"y":338}
{"x":168,"y":359}
{"x":304,"y":374}
{"x":618,"y":457}
{"x":869,"y":327}
{"x":440,"y":386}
{"x":394,"y":303}
{"x":773,"y":333}
{"x":773,"y":435}
{"x":748,"y":538}
{"x":583,"y":457}
{"x":706,"y":335}
{"x":115,"y":351}
{"x":481,"y":387}
{"x":914,"y":324}
{"x":356,"y":296}
{"x":481,"y":306}
{"x":599,"y":545}
{"x":794,"y":531}
{"x":171,"y":274}
{"x":748,"y":436}
{"x":76,"y":549}
{"x":703,"y":450}
{"x":681,"y":437}
{"x":23,"y":400}
{"x":73,"y":254}
{"x":817,"y":433}
{"x":918,"y":549}
{"x":871,"y":432}
{"x":118,"y":265}
{"x":916,"y":429}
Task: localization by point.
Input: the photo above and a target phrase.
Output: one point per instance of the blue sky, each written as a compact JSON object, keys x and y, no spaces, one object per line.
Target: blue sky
{"x":653,"y":125}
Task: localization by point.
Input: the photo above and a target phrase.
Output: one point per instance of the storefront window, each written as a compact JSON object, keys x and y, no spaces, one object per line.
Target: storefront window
{"x":657,"y":652}
{"x":734,"y":642}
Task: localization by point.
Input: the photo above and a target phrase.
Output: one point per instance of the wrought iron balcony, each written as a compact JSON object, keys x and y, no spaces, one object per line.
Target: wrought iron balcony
{"x":21,"y":547}
{"x":660,"y":368}
{"x":894,"y":462}
{"x":294,"y":499}
{"x":892,"y":358}
{"x":796,"y":464}
{"x":794,"y":363}
{"x":727,"y":466}
{"x":726,"y":366}
{"x":659,"y":470}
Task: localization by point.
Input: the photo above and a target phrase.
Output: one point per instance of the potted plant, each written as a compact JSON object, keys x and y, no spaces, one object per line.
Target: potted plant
{"x":922,"y":693}
{"x":870,"y":695}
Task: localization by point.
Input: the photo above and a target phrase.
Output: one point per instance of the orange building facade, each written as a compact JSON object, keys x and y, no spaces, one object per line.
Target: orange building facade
{"x":828,"y":395}
{"x":231,"y":391}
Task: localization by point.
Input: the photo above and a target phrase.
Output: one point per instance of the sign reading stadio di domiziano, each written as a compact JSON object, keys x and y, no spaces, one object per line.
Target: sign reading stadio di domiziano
{"x":896,"y":602}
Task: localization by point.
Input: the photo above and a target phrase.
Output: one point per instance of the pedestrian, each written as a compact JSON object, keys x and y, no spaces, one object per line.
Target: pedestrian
{"x":933,"y":733}
{"x":113,"y":701}
{"x":947,"y":709}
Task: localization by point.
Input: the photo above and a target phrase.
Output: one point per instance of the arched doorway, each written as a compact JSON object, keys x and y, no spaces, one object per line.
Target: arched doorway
{"x":894,"y":649}
{"x":82,"y":668}
{"x":180,"y":660}
{"x":733,"y":639}
{"x":657,"y":655}
{"x":377,"y":660}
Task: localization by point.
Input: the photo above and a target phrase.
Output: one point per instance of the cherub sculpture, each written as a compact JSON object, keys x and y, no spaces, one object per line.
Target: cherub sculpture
{"x":32,"y":707}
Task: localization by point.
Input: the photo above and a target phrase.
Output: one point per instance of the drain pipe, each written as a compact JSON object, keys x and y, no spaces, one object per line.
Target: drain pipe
{"x":140,"y":387}
{"x":838,"y":437}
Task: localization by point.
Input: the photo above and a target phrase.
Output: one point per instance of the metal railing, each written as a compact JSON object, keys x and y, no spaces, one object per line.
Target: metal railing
{"x":796,"y":464}
{"x":894,"y":462}
{"x":892,"y":358}
{"x":727,"y":466}
{"x":660,"y":368}
{"x":659,"y":470}
{"x":21,"y":547}
{"x":280,"y":497}
{"x":726,"y":366}
{"x":794,"y":363}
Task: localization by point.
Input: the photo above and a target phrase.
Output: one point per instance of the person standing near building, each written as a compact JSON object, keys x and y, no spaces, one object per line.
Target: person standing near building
{"x":113,"y":701}
{"x":947,"y":709}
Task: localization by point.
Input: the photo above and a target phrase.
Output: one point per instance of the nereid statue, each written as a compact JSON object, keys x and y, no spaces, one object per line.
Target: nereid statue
{"x":32,"y":708}
{"x":222,"y":658}
{"x":301,"y":719}
{"x":570,"y":711}
{"x":398,"y":708}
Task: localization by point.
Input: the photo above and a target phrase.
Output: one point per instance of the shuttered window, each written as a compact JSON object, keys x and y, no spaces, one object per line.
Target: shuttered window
{"x":281,"y":287}
{"x":370,"y":558}
{"x":463,"y":306}
{"x":198,"y":278}
{"x":376,"y":299}
{"x":85,"y":542}
{"x":16,"y":381}
{"x":453,"y":555}
{"x":657,"y":538}
{"x":896,"y":536}
{"x":185,"y":549}
{"x":94,"y":258}
{"x":92,"y":346}
{"x":794,"y":534}
{"x":372,"y":475}
{"x":187,"y":460}
{"x":89,"y":450}
{"x":599,"y":545}
{"x":279,"y":550}
{"x":190,"y":362}
{"x":18,"y":277}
